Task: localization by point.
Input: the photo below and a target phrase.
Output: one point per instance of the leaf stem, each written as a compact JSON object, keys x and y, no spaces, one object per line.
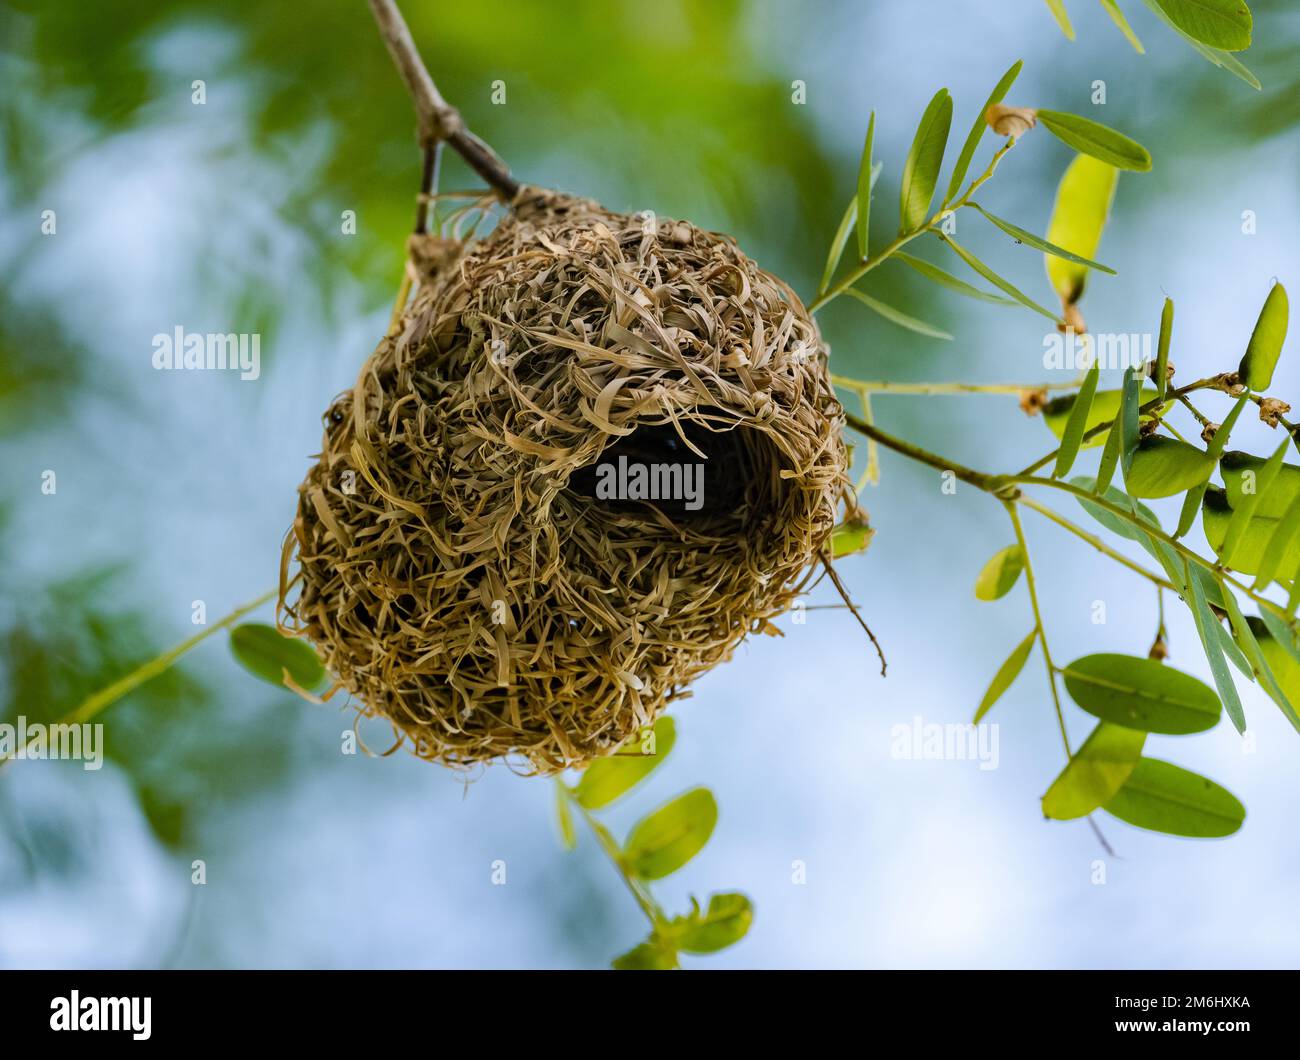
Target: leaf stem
{"x":983,"y":178}
{"x":1005,"y":488}
{"x":903,"y":238}
{"x":865,"y":267}
{"x":1094,"y":541}
{"x":1030,"y":583}
{"x":885,"y":387}
{"x":610,"y":846}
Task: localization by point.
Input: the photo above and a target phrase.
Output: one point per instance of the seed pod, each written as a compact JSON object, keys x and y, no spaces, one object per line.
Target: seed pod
{"x":1265,"y":346}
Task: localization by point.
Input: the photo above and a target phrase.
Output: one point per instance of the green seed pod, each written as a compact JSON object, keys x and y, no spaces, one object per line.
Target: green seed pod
{"x":1256,"y":369}
{"x":1165,"y":466}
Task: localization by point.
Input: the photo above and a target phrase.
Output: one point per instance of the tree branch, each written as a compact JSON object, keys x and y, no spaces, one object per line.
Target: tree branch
{"x":438,"y":119}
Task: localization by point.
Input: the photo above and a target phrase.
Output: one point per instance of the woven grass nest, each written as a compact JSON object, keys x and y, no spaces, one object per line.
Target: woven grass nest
{"x":469,"y":580}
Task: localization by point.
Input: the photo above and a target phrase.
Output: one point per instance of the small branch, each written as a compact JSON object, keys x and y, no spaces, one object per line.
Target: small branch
{"x":988,"y":483}
{"x":1210,"y":383}
{"x":848,"y":602}
{"x":609,"y":845}
{"x":438,"y":119}
{"x":428,"y":182}
{"x":1095,"y":542}
{"x":883,"y":387}
{"x":1032,"y":586}
{"x":97,"y":701}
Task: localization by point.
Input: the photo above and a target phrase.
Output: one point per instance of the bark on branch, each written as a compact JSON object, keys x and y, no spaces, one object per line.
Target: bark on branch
{"x":438,"y":120}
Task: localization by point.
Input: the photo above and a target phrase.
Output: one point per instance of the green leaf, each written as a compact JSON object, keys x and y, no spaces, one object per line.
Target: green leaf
{"x":1096,"y":772}
{"x":1282,"y":656}
{"x":1288,"y":640}
{"x":1117,"y":16}
{"x":1206,"y":625}
{"x":668,"y":838}
{"x":837,"y":246}
{"x":1141,"y":693}
{"x":1265,"y":347}
{"x":1224,"y":24}
{"x":607,"y":779}
{"x":849,"y":537}
{"x":650,"y":956}
{"x":1057,"y":8}
{"x":1259,"y":664}
{"x":1223,"y":59}
{"x":1006,"y":675}
{"x":1000,"y":574}
{"x":1109,"y":457}
{"x":1164,"y":466}
{"x":1243,"y":475}
{"x":865,"y":184}
{"x":1191,"y":505}
{"x":1282,"y":542}
{"x":564,"y":817}
{"x":1093,"y":138}
{"x":1161,"y":376}
{"x":921,"y":170}
{"x":265,"y":652}
{"x":1104,"y":408}
{"x":995,"y":279}
{"x":1129,"y":421}
{"x":1109,"y":520}
{"x":998,"y":94}
{"x":947,"y":279}
{"x":1079,"y":215}
{"x":1072,"y":435}
{"x":1248,"y":557}
{"x":1234,"y":653}
{"x":897,"y":316}
{"x":723,"y":924}
{"x":1165,"y":798}
{"x":1038,"y":243}
{"x":1249,"y":502}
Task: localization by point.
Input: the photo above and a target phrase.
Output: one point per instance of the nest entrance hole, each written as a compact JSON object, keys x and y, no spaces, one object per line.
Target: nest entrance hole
{"x":652,"y":466}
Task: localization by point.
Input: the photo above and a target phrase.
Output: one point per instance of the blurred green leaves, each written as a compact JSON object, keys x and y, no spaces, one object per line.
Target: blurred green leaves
{"x":187,"y":752}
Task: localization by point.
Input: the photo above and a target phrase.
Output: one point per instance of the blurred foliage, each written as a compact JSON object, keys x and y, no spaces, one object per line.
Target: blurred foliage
{"x":186,"y":749}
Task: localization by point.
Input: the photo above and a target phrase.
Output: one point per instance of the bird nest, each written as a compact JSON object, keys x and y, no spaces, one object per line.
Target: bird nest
{"x":597,"y":451}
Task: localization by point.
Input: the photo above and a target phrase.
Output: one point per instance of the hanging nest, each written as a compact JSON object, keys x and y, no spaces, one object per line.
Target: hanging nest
{"x":463,"y":568}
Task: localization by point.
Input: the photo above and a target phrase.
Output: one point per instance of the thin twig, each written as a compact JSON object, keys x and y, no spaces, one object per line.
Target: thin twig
{"x":428,"y":185}
{"x":844,"y":593}
{"x":438,"y":119}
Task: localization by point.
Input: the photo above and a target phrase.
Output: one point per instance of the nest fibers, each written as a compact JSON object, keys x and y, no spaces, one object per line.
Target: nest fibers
{"x":503,"y":547}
